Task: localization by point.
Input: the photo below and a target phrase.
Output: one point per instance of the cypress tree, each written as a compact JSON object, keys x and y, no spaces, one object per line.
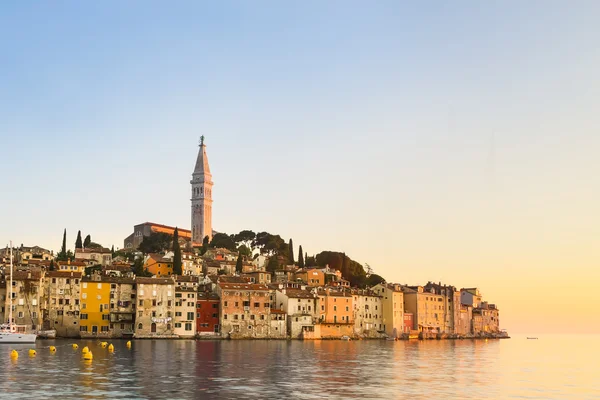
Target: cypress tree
{"x":87,"y":241}
{"x":238,"y":264}
{"x":300,"y":257}
{"x":176,"y":254}
{"x":78,"y":242}
{"x":291,"y":252}
{"x":63,"y":250}
{"x":112,"y":251}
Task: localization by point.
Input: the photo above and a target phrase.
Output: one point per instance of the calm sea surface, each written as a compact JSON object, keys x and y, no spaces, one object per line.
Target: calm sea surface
{"x":553,"y":367}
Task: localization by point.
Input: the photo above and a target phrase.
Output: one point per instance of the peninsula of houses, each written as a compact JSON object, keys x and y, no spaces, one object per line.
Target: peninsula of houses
{"x":173,"y":283}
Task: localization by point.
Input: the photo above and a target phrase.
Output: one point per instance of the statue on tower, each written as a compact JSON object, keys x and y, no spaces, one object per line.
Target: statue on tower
{"x":201,"y":140}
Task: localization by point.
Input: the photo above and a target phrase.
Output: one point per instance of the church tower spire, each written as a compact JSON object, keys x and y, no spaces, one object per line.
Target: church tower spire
{"x":201,"y":197}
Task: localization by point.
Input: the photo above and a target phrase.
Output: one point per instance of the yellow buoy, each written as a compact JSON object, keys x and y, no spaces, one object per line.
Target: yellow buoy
{"x":88,"y":355}
{"x":85,"y":350}
{"x":104,"y":344}
{"x":111,"y":348}
{"x":129,"y":344}
{"x":32,"y":353}
{"x":14,"y":354}
{"x":75,"y":346}
{"x":52,"y":349}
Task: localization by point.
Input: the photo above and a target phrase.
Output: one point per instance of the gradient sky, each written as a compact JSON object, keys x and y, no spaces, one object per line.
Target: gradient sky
{"x":447,"y":142}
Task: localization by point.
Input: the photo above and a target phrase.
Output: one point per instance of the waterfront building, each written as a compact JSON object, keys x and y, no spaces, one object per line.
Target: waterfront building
{"x":61,"y":303}
{"x":470,"y":296}
{"x":427,"y":308}
{"x":202,"y":185}
{"x":465,"y":318}
{"x":300,"y":306}
{"x":27,"y":298}
{"x":486,"y":318}
{"x":392,"y":303}
{"x":185,"y":311}
{"x":140,"y":231}
{"x":367,"y":312}
{"x":155,"y":307}
{"x":245,"y":310}
{"x":450,"y":306}
{"x":94,"y":317}
{"x":278,"y":324}
{"x":122,"y":305}
{"x":207,"y":314}
{"x":95,"y":256}
{"x":335,"y":310}
{"x":158,"y":265}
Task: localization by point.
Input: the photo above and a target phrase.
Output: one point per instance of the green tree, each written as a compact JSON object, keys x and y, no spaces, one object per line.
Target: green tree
{"x":177,"y":270}
{"x":94,"y":245}
{"x":90,"y":270}
{"x":78,"y":242}
{"x":112,"y":251}
{"x":300,"y":257}
{"x":310,"y":261}
{"x":245,"y":237}
{"x":156,"y":243}
{"x":239,"y":265}
{"x":87,"y":241}
{"x":292,"y":261}
{"x":273,"y":264}
{"x":205,"y":243}
{"x":374,"y":279}
{"x":244,"y":250}
{"x":222,"y":240}
{"x":62,"y":255}
{"x":51,"y":267}
{"x":138,"y":268}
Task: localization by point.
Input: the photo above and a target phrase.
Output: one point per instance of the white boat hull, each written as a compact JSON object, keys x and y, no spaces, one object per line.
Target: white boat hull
{"x":17,"y":337}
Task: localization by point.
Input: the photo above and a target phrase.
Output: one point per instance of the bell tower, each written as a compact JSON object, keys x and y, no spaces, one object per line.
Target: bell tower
{"x":201,"y":197}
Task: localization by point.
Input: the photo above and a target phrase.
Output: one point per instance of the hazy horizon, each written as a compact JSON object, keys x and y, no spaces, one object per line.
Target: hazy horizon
{"x":435,"y":142}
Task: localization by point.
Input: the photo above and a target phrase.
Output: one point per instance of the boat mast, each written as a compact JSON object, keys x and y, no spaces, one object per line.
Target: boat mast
{"x":10,"y":286}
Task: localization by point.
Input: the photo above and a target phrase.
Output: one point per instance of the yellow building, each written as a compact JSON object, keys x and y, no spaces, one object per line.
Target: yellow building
{"x":71,"y":266}
{"x":94,"y":317}
{"x":158,"y":266}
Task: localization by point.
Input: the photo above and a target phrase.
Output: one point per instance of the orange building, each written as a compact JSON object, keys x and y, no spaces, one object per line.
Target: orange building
{"x":335,"y":313}
{"x":312,"y":277}
{"x":158,"y":266}
{"x":147,"y":228}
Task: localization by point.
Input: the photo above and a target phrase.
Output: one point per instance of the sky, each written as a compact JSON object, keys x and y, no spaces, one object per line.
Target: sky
{"x":439,"y":141}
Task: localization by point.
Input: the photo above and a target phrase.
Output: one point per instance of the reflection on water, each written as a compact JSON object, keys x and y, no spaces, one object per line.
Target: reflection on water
{"x":556,"y":367}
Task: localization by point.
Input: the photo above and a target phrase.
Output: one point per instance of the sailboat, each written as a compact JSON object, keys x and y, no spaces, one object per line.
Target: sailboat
{"x":8,"y":331}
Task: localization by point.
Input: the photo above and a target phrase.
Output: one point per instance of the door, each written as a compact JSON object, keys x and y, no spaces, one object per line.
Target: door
{"x":94,"y":330}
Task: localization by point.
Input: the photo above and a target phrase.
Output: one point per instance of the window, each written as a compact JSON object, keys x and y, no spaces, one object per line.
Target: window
{"x":60,"y":301}
{"x":188,"y":326}
{"x":76,"y":302}
{"x":256,"y":305}
{"x":252,"y":317}
{"x":140,"y":326}
{"x":225,"y":303}
{"x":235,"y":316}
{"x":190,"y":316}
{"x":83,"y":328}
{"x":99,"y":285}
{"x":83,"y":306}
{"x":104,"y":329}
{"x":83,"y":316}
{"x":153,"y":303}
{"x":105,"y":317}
{"x":84,"y":295}
{"x":153,"y":328}
{"x":224,"y":316}
{"x":34,"y":314}
{"x":177,"y":324}
{"x":262,"y":317}
{"x":178,"y":313}
{"x":237,"y":304}
{"x":84,"y":285}
{"x":267,"y":305}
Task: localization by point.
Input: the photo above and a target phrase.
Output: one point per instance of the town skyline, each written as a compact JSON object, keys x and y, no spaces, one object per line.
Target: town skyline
{"x":472,"y":163}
